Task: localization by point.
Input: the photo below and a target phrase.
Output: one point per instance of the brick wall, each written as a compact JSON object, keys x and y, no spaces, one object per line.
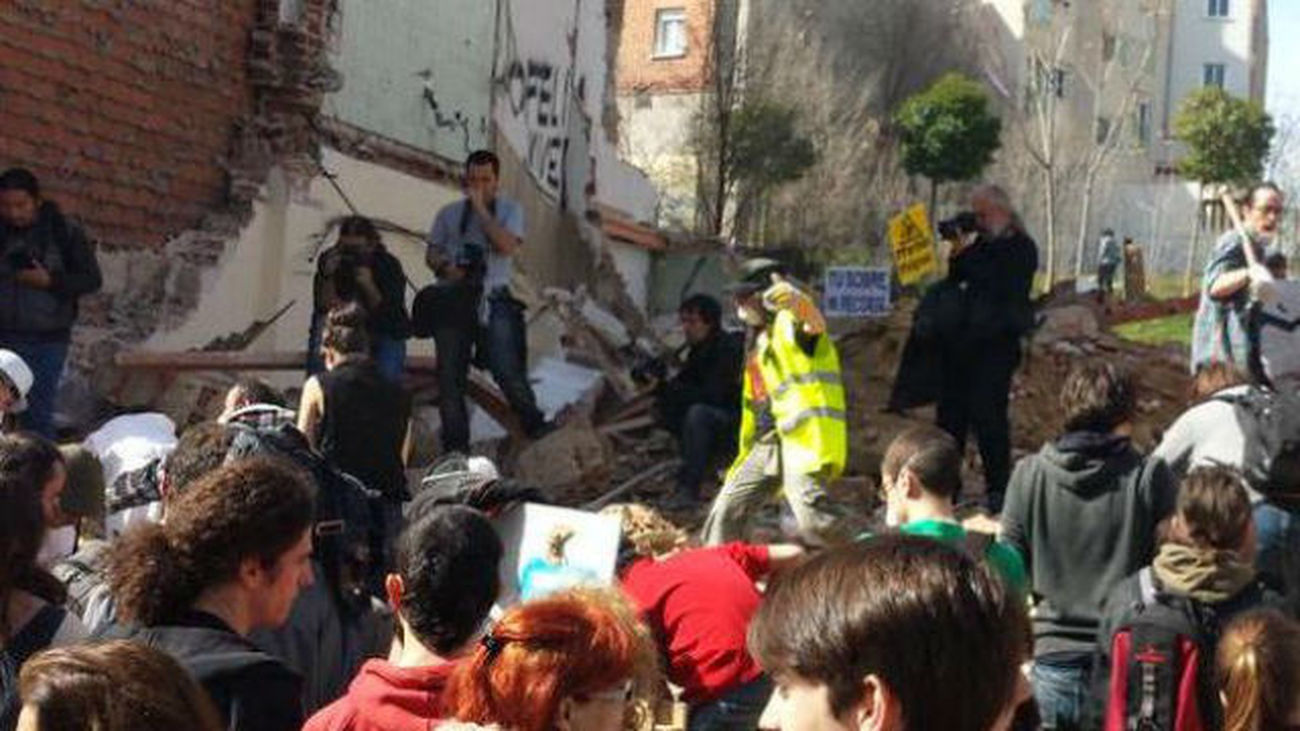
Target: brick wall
{"x":156,"y":124}
{"x":125,"y":110}
{"x":639,"y":70}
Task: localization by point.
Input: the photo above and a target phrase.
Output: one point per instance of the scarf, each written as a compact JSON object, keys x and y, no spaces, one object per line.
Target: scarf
{"x":1208,"y":575}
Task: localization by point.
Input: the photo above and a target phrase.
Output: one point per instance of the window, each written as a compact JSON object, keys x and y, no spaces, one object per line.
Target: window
{"x":1214,"y":73}
{"x":670,"y":33}
{"x":1218,"y":9}
{"x":1144,"y":123}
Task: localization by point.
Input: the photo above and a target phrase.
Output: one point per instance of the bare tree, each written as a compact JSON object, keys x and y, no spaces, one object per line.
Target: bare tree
{"x":1112,"y":113}
{"x":1040,"y":126}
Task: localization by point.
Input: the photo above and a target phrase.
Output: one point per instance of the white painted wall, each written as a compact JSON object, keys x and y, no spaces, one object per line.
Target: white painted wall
{"x":633,"y":265}
{"x":655,"y":136}
{"x":551,"y":97}
{"x":1199,"y":39}
{"x":271,"y":262}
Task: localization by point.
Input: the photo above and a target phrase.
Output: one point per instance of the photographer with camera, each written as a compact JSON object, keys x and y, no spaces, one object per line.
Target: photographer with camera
{"x":359,"y":270}
{"x":471,"y":308}
{"x":979,"y":314}
{"x":700,"y":405}
{"x":46,"y":264}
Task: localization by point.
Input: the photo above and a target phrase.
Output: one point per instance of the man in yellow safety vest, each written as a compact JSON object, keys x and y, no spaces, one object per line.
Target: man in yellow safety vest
{"x":793,"y":428}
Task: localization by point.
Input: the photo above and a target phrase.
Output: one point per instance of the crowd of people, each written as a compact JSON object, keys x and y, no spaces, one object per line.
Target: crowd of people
{"x":271,"y":568}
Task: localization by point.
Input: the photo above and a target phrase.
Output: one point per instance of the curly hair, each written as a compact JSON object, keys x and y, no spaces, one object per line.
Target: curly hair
{"x":646,"y":533}
{"x":570,"y":644}
{"x":345,"y":330}
{"x":114,"y":686}
{"x":258,"y":507}
{"x":27,"y":464}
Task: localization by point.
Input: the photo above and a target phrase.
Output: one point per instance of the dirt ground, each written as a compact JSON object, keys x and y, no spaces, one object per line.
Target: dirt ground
{"x":870,"y":354}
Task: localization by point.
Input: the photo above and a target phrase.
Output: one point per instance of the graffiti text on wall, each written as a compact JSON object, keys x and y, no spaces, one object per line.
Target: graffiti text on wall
{"x":538,"y":94}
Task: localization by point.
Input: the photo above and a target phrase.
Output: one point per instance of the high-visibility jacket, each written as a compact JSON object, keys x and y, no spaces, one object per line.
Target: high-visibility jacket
{"x":805,"y":395}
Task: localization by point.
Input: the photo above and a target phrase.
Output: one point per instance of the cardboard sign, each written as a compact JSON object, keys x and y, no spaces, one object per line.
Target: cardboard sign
{"x":531,"y":567}
{"x":856,"y":292}
{"x":912,"y":241}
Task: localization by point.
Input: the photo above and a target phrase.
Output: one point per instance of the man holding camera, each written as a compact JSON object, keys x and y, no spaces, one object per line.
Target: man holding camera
{"x":359,"y":269}
{"x":470,"y":250}
{"x":983,"y":308}
{"x":46,"y":264}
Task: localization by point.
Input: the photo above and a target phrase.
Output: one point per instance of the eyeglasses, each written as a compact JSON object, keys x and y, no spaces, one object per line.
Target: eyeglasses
{"x":1275,"y":210}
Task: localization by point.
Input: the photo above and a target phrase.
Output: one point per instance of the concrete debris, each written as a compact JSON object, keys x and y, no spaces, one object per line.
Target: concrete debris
{"x":573,"y":458}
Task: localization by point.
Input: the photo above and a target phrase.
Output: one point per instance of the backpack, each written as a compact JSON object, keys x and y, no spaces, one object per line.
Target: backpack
{"x":1276,"y":349}
{"x":1162,"y":664}
{"x":342,"y":525}
{"x":1271,"y":463}
{"x":89,"y":595}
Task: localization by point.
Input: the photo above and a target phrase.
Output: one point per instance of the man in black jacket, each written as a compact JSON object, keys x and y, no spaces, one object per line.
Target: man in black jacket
{"x":701,"y":404}
{"x":989,"y":280}
{"x":46,"y":263}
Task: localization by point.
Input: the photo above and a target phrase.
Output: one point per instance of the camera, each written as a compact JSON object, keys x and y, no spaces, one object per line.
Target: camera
{"x":649,"y":370}
{"x":952,"y":229}
{"x":472,"y":260}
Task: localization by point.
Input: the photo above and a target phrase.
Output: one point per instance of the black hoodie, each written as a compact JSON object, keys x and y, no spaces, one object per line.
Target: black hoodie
{"x":1083,"y":513}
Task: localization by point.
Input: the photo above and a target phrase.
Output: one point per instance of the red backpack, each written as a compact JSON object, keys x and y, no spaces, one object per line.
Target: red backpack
{"x":1162,"y":665}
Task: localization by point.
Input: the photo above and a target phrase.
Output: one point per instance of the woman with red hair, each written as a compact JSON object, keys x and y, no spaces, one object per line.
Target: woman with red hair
{"x":573,"y":661}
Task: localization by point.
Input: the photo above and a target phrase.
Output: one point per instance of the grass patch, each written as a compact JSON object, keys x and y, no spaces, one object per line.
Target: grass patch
{"x":1160,"y":330}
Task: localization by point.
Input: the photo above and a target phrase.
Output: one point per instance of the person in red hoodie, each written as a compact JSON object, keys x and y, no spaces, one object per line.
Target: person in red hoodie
{"x":698,"y":603}
{"x":444,"y":585}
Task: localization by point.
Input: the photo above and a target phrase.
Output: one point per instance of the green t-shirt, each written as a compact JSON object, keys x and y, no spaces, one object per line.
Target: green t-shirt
{"x":1005,"y":560}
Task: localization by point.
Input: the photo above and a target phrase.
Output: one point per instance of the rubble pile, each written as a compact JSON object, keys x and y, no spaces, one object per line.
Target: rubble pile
{"x":609,"y":449}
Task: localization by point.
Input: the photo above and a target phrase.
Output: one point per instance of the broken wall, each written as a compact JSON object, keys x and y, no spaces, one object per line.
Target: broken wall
{"x":416,"y":72}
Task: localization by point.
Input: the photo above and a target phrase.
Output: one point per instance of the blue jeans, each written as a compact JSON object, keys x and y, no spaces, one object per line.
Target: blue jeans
{"x":1278,"y":536}
{"x":46,"y":360}
{"x":736,"y":710}
{"x":1063,"y":692}
{"x":501,"y":346}
{"x":705,"y":431}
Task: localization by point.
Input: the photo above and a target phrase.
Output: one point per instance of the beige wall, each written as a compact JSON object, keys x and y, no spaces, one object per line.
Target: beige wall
{"x":270,"y":264}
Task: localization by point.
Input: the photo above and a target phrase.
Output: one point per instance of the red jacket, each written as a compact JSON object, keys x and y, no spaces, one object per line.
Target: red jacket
{"x":384,"y":697}
{"x":699,"y":603}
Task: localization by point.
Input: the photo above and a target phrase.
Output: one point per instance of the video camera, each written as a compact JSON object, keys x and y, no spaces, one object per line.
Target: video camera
{"x":952,"y":229}
{"x":472,"y":259}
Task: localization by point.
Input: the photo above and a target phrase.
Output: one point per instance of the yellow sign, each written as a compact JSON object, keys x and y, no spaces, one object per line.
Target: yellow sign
{"x":913,"y":244}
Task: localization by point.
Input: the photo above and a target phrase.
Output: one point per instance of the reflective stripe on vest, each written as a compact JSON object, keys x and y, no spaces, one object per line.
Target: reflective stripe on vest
{"x":828,"y":377}
{"x":793,"y":422}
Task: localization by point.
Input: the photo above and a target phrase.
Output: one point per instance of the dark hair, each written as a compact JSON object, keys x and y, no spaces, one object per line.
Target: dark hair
{"x":256,"y":507}
{"x":360,"y":226}
{"x":1097,"y":397}
{"x":708,"y":308}
{"x":1259,"y":671}
{"x":254,"y":391}
{"x":483,"y":157}
{"x":1213,"y":377}
{"x":448,"y":563}
{"x":1214,"y":507}
{"x":1266,"y":185}
{"x":938,"y":629}
{"x":201,"y":449}
{"x":20,"y":179}
{"x":27,"y":463}
{"x":114,"y":686}
{"x":345,"y":330}
{"x":929,"y":453}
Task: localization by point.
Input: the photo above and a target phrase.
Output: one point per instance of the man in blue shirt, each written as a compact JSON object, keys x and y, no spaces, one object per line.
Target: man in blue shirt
{"x":470,"y":248}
